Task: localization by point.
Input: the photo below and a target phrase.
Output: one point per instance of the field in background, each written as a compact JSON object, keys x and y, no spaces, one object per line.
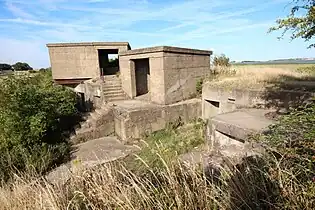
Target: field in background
{"x":290,"y":66}
{"x":260,"y":76}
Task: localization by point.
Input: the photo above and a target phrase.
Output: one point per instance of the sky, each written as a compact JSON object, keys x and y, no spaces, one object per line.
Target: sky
{"x":237,"y":28}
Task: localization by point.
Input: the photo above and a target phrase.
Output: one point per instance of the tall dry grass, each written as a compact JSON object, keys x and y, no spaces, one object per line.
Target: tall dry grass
{"x":258,"y":76}
{"x":112,"y":186}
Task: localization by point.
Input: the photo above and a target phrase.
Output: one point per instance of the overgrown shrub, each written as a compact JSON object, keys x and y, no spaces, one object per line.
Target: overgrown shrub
{"x":221,"y":61}
{"x":34,"y":115}
{"x":222,"y":66}
{"x":291,"y":152}
{"x":199,"y":86}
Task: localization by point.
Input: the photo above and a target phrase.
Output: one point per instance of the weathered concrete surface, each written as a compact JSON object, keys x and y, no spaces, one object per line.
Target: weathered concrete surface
{"x":232,"y":130}
{"x":100,"y":123}
{"x":227,"y":147}
{"x":173,"y":72}
{"x":241,"y":123}
{"x":219,"y":100}
{"x":112,"y":89}
{"x":91,"y":154}
{"x":134,"y":118}
{"x":91,"y":95}
{"x":165,"y":49}
{"x":79,"y":60}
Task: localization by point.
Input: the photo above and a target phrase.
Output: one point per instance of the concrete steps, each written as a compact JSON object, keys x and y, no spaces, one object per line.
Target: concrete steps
{"x":98,"y":124}
{"x":112,"y":89}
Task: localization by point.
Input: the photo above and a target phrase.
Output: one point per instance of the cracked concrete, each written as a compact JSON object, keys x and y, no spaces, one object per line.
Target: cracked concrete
{"x":90,"y":154}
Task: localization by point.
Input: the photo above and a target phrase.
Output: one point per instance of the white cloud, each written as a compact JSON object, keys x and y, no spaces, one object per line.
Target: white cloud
{"x":18,"y":12}
{"x":125,"y":20}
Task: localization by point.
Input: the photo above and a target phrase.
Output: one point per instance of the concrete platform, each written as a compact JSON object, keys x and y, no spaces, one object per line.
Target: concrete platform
{"x":135,"y":118}
{"x":90,"y":154}
{"x":133,"y":105}
{"x":241,"y":123}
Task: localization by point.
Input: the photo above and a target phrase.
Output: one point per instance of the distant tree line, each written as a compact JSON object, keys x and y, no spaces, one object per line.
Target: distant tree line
{"x":19,"y":66}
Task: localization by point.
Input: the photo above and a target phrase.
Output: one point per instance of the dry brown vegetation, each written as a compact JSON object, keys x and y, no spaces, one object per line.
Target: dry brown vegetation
{"x":259,"y":76}
{"x":160,"y":181}
{"x":176,"y":187}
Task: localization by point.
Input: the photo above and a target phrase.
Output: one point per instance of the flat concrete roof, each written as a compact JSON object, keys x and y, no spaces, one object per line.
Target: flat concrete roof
{"x":88,"y":44}
{"x":165,"y":49}
{"x":242,"y":122}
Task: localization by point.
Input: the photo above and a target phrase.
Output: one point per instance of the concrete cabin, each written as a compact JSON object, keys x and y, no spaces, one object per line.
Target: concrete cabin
{"x":73,"y":63}
{"x":162,"y":75}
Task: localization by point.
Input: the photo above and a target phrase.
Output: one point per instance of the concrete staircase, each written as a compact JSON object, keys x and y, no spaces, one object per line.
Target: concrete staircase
{"x":112,"y":89}
{"x":98,"y":124}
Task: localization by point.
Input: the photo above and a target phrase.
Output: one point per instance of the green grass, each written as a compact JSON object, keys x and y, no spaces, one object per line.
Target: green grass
{"x":167,"y":145}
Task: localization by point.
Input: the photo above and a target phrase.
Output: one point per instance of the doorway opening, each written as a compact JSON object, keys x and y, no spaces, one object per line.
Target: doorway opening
{"x":108,"y":61}
{"x":142,"y":73}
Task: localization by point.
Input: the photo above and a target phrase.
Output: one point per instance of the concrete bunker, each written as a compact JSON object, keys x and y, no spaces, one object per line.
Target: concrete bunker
{"x":162,"y":75}
{"x":167,"y":74}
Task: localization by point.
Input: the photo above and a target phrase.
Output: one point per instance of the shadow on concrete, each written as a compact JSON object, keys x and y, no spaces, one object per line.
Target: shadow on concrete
{"x":289,"y":91}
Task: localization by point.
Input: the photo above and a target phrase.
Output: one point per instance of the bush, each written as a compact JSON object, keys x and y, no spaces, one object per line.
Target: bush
{"x":291,"y":149}
{"x":221,"y":61}
{"x":34,"y":117}
{"x":222,"y":66}
{"x":199,"y":86}
{"x":45,"y":69}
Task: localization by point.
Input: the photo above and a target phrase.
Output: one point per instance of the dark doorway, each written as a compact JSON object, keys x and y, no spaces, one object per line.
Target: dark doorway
{"x":142,"y":72}
{"x":108,"y":61}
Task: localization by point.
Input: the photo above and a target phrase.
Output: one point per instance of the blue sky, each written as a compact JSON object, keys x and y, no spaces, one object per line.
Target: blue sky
{"x":237,"y":28}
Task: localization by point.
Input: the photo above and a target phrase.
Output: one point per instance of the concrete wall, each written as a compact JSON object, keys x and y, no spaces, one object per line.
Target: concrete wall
{"x":156,"y":82}
{"x":219,"y":100}
{"x":173,"y":72}
{"x":134,"y":124}
{"x":74,"y":62}
{"x":79,"y":60}
{"x":92,"y":91}
{"x":181,"y":73}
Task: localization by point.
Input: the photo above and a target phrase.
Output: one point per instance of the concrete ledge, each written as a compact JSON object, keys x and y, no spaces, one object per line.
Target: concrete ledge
{"x":134,"y":119}
{"x":219,"y":100}
{"x":89,"y":44}
{"x":242,"y":123}
{"x":166,"y":49}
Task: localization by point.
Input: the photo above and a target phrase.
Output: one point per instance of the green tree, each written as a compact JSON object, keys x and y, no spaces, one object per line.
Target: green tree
{"x":4,"y":66}
{"x":19,"y":66}
{"x":34,"y":117}
{"x":300,"y":22}
{"x":45,"y":69}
